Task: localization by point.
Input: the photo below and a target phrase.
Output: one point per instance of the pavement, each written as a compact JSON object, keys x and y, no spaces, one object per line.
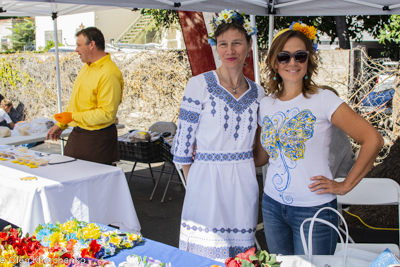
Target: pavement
{"x":160,"y":221}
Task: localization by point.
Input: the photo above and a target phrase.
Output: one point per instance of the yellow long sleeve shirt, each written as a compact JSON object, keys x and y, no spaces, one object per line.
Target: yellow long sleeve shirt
{"x":96,"y":95}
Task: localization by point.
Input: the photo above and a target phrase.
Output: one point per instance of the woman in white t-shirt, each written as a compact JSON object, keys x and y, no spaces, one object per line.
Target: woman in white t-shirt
{"x":5,"y":107}
{"x":295,"y":127}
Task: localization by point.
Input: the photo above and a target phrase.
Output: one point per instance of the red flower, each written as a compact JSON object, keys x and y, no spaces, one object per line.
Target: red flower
{"x":91,"y":251}
{"x":55,"y":248}
{"x":237,"y":260}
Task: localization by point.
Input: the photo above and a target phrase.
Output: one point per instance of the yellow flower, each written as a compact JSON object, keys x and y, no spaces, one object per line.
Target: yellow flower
{"x":68,"y":226}
{"x":297,"y":26}
{"x":57,"y":237}
{"x":115,"y":240}
{"x":91,"y":231}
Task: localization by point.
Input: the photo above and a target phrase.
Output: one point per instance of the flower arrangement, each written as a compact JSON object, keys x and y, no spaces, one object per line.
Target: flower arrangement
{"x":309,"y":31}
{"x":251,"y":259}
{"x":72,"y":244}
{"x":227,"y":16}
{"x":77,"y":239}
{"x":137,"y":261}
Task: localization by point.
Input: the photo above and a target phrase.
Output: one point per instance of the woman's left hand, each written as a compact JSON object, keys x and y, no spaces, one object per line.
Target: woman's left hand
{"x":324,"y":185}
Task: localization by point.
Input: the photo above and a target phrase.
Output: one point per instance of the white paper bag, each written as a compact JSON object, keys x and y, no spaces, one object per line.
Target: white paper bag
{"x":310,"y":260}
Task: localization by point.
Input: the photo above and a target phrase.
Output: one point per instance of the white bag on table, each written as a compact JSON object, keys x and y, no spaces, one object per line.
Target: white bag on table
{"x":309,"y":260}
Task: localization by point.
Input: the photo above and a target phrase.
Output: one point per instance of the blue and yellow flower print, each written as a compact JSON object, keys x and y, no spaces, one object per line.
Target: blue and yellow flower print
{"x":283,"y":136}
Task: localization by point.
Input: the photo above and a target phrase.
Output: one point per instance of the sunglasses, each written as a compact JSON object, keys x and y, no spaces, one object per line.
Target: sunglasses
{"x":285,"y":57}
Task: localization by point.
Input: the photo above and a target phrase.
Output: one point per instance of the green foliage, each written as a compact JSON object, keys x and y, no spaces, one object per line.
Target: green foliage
{"x":390,"y":36}
{"x":50,"y":44}
{"x":164,"y":18}
{"x":325,"y":24}
{"x":23,"y":34}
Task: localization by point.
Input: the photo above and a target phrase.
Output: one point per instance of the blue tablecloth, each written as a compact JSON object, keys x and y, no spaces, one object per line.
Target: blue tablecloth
{"x":164,"y":253}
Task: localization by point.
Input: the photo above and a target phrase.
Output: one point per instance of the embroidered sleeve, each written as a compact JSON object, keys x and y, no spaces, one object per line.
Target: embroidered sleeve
{"x":189,"y":117}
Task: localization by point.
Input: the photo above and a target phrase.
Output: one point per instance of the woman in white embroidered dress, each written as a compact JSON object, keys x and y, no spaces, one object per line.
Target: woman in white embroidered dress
{"x":218,"y":114}
{"x":297,"y":119}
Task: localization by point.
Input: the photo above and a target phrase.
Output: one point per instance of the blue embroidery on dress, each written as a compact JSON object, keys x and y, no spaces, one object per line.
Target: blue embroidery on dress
{"x":190,"y":100}
{"x":237,"y":127}
{"x":216,"y":230}
{"x":189,"y":116}
{"x":250,"y":119}
{"x":212,"y":252}
{"x":220,"y":157}
{"x":285,"y":135}
{"x":177,"y":139}
{"x":238,"y":106}
{"x":226,"y":117}
{"x":188,"y":136}
{"x":213,"y":111}
{"x":182,"y":159}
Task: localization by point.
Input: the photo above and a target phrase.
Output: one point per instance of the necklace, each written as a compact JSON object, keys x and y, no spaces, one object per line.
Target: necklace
{"x":233,"y":87}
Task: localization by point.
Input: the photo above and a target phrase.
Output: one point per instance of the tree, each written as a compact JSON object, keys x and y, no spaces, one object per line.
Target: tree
{"x":164,"y":18}
{"x":344,"y":27}
{"x":23,"y":34}
{"x":390,"y":37}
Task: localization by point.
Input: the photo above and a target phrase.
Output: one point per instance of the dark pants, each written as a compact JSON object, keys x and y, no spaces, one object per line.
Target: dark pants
{"x":99,"y":146}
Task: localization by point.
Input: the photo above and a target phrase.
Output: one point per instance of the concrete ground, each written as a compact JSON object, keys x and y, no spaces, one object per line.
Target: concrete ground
{"x":161,"y":221}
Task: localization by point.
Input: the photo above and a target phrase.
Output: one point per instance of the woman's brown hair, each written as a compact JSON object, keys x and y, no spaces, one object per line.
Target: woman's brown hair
{"x":274,"y":87}
{"x":234,"y":25}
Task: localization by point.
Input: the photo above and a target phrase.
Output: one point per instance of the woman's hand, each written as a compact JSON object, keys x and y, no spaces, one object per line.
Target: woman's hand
{"x":323,"y":185}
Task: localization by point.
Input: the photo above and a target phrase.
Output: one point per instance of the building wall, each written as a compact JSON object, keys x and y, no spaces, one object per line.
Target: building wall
{"x":68,"y":25}
{"x":114,"y":22}
{"x":5,"y":30}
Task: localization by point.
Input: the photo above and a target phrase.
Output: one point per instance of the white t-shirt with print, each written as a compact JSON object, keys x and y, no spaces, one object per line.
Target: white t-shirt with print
{"x":296,"y":134}
{"x":4,"y":116}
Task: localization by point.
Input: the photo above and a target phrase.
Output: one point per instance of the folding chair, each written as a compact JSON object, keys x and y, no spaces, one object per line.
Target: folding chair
{"x":372,"y":191}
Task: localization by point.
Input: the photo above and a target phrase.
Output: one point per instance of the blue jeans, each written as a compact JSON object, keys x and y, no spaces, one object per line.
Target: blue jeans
{"x":282,"y":228}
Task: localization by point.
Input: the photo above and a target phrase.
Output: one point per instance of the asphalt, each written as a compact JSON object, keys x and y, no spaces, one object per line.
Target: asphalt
{"x":160,"y":221}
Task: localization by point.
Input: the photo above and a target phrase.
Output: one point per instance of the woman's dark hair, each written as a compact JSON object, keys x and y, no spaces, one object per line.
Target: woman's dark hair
{"x":274,"y":87}
{"x":93,"y":34}
{"x":234,"y":25}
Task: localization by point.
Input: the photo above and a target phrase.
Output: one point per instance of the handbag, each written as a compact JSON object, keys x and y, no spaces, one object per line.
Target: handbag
{"x":309,"y":260}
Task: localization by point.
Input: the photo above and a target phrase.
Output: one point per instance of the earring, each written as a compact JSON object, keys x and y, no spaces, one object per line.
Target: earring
{"x":274,"y":77}
{"x":219,"y":57}
{"x":305,"y":77}
{"x":248,"y":55}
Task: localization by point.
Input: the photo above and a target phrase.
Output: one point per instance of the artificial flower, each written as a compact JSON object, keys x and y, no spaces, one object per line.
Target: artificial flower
{"x":227,"y":16}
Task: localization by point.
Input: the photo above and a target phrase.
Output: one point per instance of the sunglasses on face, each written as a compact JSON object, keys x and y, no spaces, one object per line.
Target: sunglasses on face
{"x":285,"y":57}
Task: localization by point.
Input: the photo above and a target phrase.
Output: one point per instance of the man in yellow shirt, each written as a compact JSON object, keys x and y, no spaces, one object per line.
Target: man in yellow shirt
{"x":92,"y":109}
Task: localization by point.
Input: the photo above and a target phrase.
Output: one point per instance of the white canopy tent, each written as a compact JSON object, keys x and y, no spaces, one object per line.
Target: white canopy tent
{"x":257,"y":7}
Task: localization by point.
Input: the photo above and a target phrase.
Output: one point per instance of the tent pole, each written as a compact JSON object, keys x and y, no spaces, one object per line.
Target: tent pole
{"x":255,"y":52}
{"x":271,"y":29}
{"x":54,"y":17}
{"x":270,"y":38}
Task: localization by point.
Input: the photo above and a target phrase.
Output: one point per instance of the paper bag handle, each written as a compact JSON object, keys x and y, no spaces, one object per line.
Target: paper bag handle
{"x":313,"y":220}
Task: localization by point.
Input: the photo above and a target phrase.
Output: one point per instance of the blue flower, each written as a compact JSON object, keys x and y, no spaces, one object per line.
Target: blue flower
{"x":211,"y":41}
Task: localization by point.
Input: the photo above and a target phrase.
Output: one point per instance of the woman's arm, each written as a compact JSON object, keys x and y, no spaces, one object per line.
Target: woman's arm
{"x":363,"y":133}
{"x":260,"y":155}
{"x":186,"y":169}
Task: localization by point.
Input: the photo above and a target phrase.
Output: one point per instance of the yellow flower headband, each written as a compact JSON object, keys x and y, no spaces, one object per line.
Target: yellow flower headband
{"x":309,"y":31}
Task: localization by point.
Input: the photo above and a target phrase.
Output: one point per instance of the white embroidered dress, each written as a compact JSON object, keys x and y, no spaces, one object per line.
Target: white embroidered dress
{"x":219,"y":214}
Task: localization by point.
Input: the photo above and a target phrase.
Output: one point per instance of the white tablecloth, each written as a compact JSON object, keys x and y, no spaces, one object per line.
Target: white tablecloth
{"x":89,"y":191}
{"x":17,"y":139}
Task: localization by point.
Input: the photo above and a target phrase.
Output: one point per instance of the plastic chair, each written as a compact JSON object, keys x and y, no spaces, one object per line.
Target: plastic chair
{"x":372,"y":191}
